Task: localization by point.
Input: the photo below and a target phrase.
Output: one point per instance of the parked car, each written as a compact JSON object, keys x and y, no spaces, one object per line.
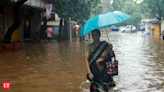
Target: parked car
{"x":114,"y":28}
{"x":128,"y":28}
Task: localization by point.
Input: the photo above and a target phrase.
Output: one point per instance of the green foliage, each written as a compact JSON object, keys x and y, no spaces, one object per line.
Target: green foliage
{"x":132,"y":9}
{"x":96,"y":10}
{"x":155,"y":7}
{"x":117,"y":5}
{"x":129,"y":7}
{"x":77,"y":10}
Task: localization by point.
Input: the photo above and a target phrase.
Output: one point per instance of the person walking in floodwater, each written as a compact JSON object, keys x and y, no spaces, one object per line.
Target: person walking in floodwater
{"x":96,"y":55}
{"x":49,"y":32}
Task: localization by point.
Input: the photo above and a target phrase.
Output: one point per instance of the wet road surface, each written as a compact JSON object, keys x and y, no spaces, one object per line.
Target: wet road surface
{"x":60,"y":67}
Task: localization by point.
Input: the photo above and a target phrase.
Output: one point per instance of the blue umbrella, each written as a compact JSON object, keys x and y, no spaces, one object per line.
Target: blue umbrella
{"x":103,"y":21}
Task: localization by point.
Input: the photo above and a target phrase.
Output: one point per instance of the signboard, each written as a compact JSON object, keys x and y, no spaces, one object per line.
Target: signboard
{"x":35,"y":3}
{"x":48,"y":11}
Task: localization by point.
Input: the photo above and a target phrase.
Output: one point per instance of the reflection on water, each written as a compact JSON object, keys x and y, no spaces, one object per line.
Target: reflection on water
{"x":60,"y":67}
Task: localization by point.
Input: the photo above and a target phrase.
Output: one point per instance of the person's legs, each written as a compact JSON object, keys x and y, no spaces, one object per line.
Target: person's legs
{"x":99,"y":87}
{"x":48,"y":38}
{"x":163,"y":37}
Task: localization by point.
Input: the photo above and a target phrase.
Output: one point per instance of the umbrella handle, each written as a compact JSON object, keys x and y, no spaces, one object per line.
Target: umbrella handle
{"x":107,"y":34}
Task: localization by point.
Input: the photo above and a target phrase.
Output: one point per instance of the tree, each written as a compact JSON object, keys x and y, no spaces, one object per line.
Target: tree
{"x":117,"y":5}
{"x":144,"y":10}
{"x":16,"y":23}
{"x":156,"y":8}
{"x":130,"y":8}
{"x":76,"y":10}
{"x":96,"y":10}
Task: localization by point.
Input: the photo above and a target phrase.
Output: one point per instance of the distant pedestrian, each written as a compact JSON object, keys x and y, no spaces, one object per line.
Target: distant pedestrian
{"x":49,"y":32}
{"x":142,"y":28}
{"x":76,"y":27}
{"x":163,"y":34}
{"x":136,"y":29}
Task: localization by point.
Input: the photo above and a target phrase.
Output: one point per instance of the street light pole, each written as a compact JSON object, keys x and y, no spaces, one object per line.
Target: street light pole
{"x":70,"y":32}
{"x":160,"y":25}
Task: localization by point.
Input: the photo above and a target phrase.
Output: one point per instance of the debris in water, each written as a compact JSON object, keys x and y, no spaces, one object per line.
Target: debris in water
{"x":28,"y":57}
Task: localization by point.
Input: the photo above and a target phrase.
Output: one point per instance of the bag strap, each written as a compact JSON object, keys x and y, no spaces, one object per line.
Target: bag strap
{"x":111,"y":51}
{"x":105,"y":46}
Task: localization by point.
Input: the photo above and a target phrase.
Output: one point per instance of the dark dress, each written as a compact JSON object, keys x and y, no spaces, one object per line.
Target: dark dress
{"x":101,"y":80}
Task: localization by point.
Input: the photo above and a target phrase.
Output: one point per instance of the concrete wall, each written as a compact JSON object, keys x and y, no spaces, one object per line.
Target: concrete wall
{"x":55,"y":31}
{"x":146,"y":28}
{"x":156,"y":30}
{"x":57,"y":18}
{"x":53,"y":23}
{"x":162,"y":25}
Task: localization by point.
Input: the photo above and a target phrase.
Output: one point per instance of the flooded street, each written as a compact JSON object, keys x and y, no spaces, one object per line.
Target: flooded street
{"x":60,"y":67}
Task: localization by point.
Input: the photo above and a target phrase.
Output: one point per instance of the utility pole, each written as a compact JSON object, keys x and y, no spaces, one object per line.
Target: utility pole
{"x":106,"y":5}
{"x":106,"y":8}
{"x":70,"y":32}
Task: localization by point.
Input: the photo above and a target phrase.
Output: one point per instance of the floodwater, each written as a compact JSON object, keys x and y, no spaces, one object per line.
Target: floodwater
{"x":60,"y":67}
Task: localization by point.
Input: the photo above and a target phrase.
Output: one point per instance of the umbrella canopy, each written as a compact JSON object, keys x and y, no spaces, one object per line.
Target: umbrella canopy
{"x":103,"y":21}
{"x":76,"y":26}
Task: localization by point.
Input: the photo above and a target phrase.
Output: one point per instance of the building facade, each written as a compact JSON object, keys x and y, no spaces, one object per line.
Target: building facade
{"x":30,"y":19}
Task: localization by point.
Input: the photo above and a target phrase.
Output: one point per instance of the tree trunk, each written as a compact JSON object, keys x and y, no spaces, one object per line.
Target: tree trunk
{"x":43,"y":29}
{"x":42,"y":33}
{"x":82,"y":37}
{"x":16,"y":23}
{"x":66,"y":30}
{"x":60,"y":29}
